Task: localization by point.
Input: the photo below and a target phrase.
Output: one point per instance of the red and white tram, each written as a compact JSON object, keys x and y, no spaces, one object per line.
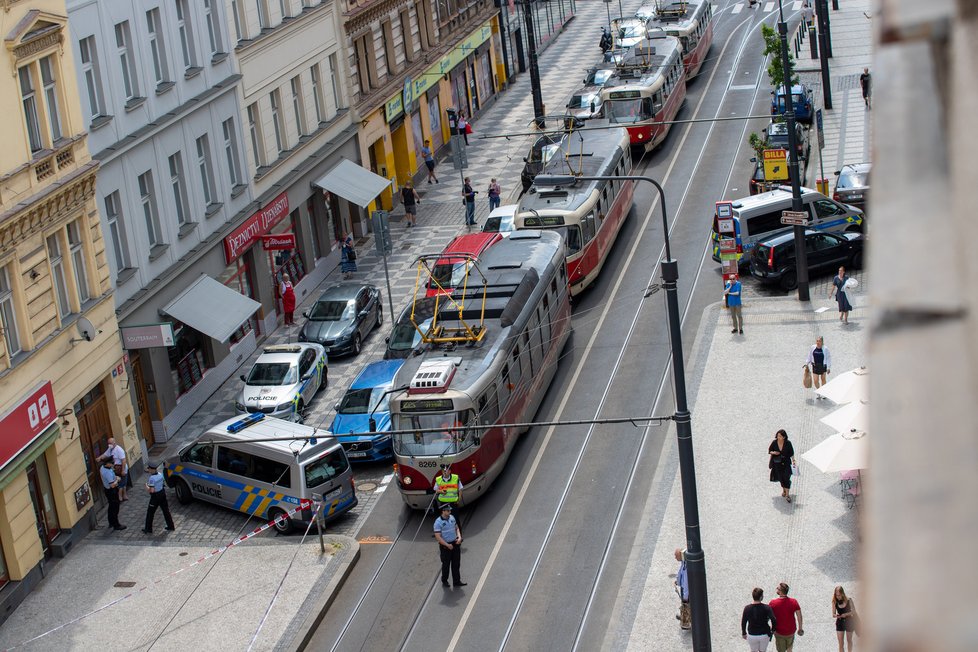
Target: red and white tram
{"x":692,"y":24}
{"x":490,"y":353}
{"x":588,"y":214}
{"x":647,"y":90}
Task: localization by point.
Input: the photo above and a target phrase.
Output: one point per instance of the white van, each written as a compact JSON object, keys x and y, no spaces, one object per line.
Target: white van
{"x":757,"y":217}
{"x":225,"y":466}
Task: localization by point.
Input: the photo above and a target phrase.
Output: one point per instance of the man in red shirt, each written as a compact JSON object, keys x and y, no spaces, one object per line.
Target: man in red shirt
{"x":785,"y":611}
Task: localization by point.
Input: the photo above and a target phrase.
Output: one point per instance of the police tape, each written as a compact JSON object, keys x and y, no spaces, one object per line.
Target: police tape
{"x":213,"y":553}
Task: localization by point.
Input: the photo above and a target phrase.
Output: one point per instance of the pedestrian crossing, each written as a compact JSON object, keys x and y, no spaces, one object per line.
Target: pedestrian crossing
{"x":768,"y":6}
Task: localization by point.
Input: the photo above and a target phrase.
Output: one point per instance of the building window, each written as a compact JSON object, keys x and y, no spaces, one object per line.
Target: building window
{"x":334,"y":83}
{"x":213,"y":27}
{"x":390,"y":52}
{"x":206,"y":170}
{"x":297,"y":107}
{"x":276,"y":101}
{"x":423,"y":12}
{"x":93,"y":82}
{"x":51,"y":97}
{"x":254,"y":130}
{"x":58,"y":275}
{"x":157,"y":47}
{"x":407,"y":36}
{"x":231,"y":151}
{"x":186,"y":32}
{"x":284,"y":9}
{"x":76,"y":249}
{"x":147,"y":198}
{"x":123,"y":42}
{"x":8,"y":318}
{"x":262,"y":14}
{"x":317,"y":93}
{"x":29,"y":102}
{"x":179,"y":186}
{"x":117,"y":232}
{"x":366,"y":63}
{"x":238,"y":22}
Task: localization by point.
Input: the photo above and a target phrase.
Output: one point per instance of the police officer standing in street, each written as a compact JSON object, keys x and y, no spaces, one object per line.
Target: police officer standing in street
{"x":449,"y":538}
{"x":156,"y":485}
{"x":110,"y":482}
{"x":447,"y":486}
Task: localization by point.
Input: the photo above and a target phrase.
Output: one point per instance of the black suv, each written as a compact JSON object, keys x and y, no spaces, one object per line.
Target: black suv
{"x":773,"y":261}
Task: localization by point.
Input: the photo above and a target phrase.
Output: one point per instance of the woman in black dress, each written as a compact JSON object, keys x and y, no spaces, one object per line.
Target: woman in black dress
{"x":844,"y":612}
{"x":782,"y":455}
{"x":839,"y":289}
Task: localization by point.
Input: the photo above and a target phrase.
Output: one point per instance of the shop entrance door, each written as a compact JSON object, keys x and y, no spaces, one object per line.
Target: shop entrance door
{"x":42,"y":496}
{"x":402,"y":163}
{"x":94,"y":428}
{"x":142,"y":403}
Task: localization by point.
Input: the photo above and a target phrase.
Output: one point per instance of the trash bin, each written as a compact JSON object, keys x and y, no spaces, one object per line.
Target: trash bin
{"x":822,"y":185}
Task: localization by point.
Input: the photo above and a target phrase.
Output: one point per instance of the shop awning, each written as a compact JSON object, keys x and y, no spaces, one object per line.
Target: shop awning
{"x":212,"y":308}
{"x":353,"y":183}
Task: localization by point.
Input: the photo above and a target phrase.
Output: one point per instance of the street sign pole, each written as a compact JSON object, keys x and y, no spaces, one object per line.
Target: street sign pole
{"x":821,"y":143}
{"x":382,"y":241}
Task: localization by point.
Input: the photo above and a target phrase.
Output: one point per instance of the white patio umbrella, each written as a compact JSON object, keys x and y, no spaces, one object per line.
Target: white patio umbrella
{"x":851,"y":386}
{"x":843,"y":451}
{"x":851,"y":416}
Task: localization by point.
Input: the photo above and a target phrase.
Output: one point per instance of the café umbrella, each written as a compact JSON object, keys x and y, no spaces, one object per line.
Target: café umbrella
{"x":843,"y":451}
{"x":849,"y":387}
{"x":851,"y":416}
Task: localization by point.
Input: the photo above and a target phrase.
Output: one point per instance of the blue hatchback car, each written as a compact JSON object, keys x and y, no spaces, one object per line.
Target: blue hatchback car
{"x":801,"y":97}
{"x":365,"y":398}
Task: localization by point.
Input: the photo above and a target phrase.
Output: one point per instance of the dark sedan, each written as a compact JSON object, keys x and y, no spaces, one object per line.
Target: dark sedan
{"x":852,"y":186}
{"x":777,"y":137}
{"x":342,"y":318}
{"x":773,"y":261}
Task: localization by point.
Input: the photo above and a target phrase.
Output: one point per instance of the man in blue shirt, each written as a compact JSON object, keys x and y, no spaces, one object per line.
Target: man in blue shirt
{"x":110,"y":482}
{"x":468,"y":198}
{"x":449,"y":538}
{"x":156,"y":485}
{"x":731,"y":291}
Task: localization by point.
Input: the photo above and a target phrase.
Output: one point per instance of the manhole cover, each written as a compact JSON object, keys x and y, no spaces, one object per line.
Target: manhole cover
{"x":124,"y":585}
{"x":367,"y":486}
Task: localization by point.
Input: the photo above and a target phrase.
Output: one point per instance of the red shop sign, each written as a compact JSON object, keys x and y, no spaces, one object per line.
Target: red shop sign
{"x":278,"y":241}
{"x":254,"y":227}
{"x":23,"y":423}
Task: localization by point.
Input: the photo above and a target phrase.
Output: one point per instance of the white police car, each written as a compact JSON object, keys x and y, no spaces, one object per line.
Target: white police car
{"x":283,"y":380}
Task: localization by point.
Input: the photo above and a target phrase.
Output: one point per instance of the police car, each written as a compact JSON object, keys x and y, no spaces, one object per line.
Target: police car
{"x":283,"y":380}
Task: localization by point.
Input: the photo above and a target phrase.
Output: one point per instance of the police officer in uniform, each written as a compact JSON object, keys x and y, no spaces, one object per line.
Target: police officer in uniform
{"x":156,"y":485}
{"x":447,"y":486}
{"x":449,"y":538}
{"x":110,"y":482}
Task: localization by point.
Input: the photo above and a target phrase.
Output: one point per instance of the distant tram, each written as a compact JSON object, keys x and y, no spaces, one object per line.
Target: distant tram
{"x":588,"y":214}
{"x":648,"y":89}
{"x":488,"y":357}
{"x":692,"y":24}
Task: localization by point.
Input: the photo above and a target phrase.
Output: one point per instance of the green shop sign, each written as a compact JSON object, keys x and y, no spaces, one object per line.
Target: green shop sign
{"x":414,"y":88}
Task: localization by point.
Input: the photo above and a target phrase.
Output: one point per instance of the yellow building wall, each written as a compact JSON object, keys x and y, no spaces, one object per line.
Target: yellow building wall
{"x":18,"y":529}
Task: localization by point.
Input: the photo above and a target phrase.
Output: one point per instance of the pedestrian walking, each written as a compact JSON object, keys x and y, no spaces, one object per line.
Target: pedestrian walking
{"x":156,"y":486}
{"x":782,"y":457}
{"x":732,"y":291}
{"x":348,"y":258}
{"x":410,"y":199}
{"x":429,"y":160}
{"x":839,"y":290}
{"x":287,"y":291}
{"x":605,"y":42}
{"x":866,"y":83}
{"x":468,"y":198}
{"x":757,"y":623}
{"x":449,"y":538}
{"x":846,"y":617}
{"x":117,"y":454}
{"x":820,"y":362}
{"x":494,"y":193}
{"x":786,"y":612}
{"x":682,"y":588}
{"x":447,"y":486}
{"x":110,"y":482}
{"x":463,"y":127}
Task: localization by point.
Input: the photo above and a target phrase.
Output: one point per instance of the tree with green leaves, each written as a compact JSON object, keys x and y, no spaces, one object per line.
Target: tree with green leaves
{"x":772,"y":48}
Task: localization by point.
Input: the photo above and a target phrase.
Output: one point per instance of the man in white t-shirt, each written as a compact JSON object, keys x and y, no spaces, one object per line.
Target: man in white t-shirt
{"x":118,"y":455}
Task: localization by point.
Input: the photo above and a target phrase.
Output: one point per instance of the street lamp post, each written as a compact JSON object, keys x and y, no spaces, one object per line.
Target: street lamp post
{"x":531,"y":43}
{"x":695,"y":559}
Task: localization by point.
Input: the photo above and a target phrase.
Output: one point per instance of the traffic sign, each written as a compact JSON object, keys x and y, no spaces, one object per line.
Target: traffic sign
{"x":382,"y":233}
{"x":818,"y":127}
{"x":460,"y":159}
{"x":795,"y":218}
{"x":775,"y":164}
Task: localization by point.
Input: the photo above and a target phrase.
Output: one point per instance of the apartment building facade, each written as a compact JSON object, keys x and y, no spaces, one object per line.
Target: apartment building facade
{"x":64,"y":389}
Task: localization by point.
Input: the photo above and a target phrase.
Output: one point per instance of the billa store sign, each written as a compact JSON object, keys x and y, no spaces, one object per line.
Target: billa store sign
{"x":253,"y":228}
{"x":24,"y":422}
{"x":278,"y":242}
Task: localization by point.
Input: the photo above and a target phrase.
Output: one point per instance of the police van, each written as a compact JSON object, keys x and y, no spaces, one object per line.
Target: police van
{"x":758,"y":216}
{"x":227,"y":467}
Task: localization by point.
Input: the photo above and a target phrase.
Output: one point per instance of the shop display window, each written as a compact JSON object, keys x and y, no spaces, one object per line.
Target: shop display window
{"x":236,"y":277}
{"x":189,"y":357}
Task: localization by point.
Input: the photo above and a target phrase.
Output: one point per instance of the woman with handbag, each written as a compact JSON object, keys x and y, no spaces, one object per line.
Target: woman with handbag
{"x":348,"y":258}
{"x":839,"y":287}
{"x":782,"y":457}
{"x":846,"y":618}
{"x":820,"y":362}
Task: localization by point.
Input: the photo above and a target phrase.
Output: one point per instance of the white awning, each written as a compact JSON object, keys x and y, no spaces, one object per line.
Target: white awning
{"x":212,"y":308}
{"x":353,"y":183}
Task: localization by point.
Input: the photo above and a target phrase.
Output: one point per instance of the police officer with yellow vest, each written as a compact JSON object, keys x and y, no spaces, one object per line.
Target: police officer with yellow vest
{"x":447,"y":487}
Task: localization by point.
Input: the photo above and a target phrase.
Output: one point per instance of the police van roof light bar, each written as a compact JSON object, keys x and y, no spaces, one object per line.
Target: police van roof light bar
{"x":241,"y":424}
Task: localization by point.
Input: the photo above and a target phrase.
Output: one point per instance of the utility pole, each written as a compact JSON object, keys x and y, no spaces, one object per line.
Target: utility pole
{"x":531,"y":41}
{"x":504,"y":37}
{"x":823,"y":56}
{"x":801,"y":255}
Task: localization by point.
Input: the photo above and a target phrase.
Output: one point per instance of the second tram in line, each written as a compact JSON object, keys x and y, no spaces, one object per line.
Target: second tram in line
{"x":692,"y":24}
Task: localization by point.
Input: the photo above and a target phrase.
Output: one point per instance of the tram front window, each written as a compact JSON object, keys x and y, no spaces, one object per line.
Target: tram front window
{"x":625,"y":111}
{"x":433,"y":434}
{"x":572,"y":238}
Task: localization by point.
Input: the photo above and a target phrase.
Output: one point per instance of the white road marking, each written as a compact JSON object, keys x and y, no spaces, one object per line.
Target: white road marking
{"x":769,"y":7}
{"x":796,"y":6}
{"x":742,"y":87}
{"x":739,"y":7}
{"x":387,"y":478}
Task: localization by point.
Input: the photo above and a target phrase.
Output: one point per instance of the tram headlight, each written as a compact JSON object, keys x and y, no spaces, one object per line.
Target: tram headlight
{"x":406,"y":480}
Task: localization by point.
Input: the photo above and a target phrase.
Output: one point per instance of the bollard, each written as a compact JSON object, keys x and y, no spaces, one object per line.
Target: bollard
{"x":813,"y":42}
{"x":822,"y":185}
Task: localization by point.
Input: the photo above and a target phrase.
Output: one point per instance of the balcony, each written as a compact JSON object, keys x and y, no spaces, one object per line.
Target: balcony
{"x":45,"y":166}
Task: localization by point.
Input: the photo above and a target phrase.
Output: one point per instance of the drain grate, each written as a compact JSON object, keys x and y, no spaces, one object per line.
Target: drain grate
{"x":124,"y":585}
